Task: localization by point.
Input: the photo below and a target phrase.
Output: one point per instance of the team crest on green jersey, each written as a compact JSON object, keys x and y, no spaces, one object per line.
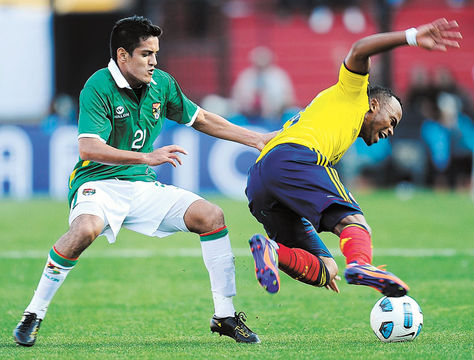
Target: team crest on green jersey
{"x":156,"y":110}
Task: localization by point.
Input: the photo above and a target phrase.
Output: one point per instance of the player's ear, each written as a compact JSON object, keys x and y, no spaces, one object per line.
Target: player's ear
{"x":121,"y":54}
{"x":374,"y":104}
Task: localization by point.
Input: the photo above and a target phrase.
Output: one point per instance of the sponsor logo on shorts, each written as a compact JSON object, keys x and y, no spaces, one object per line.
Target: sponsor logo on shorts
{"x":156,"y":110}
{"x":88,"y":192}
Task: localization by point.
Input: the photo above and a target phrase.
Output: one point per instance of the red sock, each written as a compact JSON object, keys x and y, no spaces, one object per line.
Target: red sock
{"x":356,"y":244}
{"x":302,"y":265}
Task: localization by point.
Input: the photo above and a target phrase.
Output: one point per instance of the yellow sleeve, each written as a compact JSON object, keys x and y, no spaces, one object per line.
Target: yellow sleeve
{"x":353,"y":84}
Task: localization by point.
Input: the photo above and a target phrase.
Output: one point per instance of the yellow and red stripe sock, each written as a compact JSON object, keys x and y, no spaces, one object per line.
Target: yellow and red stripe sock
{"x":355,"y":244}
{"x":302,"y":265}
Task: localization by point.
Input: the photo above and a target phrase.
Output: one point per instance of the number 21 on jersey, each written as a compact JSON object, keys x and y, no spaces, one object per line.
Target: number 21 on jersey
{"x":139,"y":139}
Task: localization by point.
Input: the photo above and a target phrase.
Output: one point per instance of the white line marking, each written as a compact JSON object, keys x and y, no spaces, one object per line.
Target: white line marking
{"x":196,"y":252}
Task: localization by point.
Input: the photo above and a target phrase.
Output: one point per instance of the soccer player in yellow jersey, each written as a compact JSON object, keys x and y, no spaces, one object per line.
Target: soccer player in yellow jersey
{"x":295,"y":192}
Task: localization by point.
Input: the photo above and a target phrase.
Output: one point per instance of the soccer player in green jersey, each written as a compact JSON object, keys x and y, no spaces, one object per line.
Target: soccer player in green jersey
{"x":122,"y":111}
{"x":294,"y":190}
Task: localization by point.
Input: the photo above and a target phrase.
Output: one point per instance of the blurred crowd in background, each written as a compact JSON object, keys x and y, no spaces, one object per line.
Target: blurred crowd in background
{"x":259,"y":62}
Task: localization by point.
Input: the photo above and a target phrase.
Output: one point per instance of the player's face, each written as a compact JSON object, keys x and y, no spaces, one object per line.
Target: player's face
{"x":138,"y":67}
{"x":381,"y":120}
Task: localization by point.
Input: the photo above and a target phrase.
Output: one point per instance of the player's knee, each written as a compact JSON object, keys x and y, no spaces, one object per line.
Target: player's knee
{"x":85,"y":229}
{"x":352,"y":219}
{"x":88,"y":233}
{"x":214,"y":218}
{"x":216,"y":215}
{"x":203,"y":216}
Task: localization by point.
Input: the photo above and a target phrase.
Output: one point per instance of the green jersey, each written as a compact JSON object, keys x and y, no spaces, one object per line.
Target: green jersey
{"x":110,"y":111}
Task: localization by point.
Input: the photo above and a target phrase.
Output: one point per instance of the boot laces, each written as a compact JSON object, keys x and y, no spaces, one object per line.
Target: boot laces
{"x":241,"y":317}
{"x":26,"y":323}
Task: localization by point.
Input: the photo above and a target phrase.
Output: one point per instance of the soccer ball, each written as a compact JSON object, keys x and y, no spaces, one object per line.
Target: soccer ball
{"x":396,"y":319}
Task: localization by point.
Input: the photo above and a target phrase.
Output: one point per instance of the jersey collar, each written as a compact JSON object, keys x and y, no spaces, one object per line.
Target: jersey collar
{"x":118,"y":77}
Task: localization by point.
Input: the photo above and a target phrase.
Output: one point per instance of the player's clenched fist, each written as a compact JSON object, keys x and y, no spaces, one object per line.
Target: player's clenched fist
{"x":165,"y":154}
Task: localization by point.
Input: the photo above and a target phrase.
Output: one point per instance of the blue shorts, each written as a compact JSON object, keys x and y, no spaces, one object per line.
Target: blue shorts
{"x":293,"y":197}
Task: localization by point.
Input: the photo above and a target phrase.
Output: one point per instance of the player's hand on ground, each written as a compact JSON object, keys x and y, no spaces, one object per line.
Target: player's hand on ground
{"x":165,"y":154}
{"x":438,"y":35}
{"x":333,"y":285}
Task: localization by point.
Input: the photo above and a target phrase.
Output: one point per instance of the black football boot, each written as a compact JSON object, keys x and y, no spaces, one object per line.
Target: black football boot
{"x":234,"y":327}
{"x":27,"y":329}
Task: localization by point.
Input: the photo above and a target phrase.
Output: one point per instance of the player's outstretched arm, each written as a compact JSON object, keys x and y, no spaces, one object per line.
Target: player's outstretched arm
{"x":215,"y":125}
{"x":95,"y":150}
{"x":438,"y":35}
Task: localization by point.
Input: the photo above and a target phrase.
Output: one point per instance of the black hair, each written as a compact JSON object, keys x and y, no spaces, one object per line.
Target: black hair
{"x":128,"y":32}
{"x":381,"y":93}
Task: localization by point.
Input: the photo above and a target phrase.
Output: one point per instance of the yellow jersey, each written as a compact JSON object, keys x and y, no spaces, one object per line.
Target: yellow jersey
{"x":331,"y":122}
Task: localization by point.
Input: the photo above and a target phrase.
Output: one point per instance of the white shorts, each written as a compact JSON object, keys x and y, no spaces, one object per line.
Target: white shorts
{"x":149,"y":208}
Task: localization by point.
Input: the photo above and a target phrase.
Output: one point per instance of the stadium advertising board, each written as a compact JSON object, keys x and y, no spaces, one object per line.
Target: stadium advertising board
{"x":36,"y":163}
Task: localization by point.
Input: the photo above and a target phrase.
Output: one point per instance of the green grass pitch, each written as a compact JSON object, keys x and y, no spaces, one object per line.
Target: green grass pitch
{"x":149,"y":298}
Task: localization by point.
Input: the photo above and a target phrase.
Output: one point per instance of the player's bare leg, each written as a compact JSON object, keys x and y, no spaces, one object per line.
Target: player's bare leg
{"x":61,"y":259}
{"x":356,"y":246}
{"x":207,"y":220}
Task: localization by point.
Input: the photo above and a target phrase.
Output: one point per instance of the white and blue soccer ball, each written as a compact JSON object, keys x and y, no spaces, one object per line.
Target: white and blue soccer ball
{"x":396,"y":319}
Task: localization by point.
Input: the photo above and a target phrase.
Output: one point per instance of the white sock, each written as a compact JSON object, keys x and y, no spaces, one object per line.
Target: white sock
{"x":51,"y":279}
{"x":219,"y":261}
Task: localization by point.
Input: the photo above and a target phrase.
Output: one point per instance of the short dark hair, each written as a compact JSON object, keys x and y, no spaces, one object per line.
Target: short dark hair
{"x":128,"y":33}
{"x":381,"y":93}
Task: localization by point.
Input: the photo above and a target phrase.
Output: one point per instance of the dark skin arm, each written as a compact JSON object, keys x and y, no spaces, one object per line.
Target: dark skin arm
{"x":437,"y":36}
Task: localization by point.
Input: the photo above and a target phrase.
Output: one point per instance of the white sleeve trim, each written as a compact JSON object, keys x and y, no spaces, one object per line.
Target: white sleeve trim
{"x":95,"y":136}
{"x":193,"y":119}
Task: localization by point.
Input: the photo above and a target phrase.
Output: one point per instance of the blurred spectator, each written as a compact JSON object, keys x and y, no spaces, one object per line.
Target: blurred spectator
{"x":263,"y":91}
{"x":409,"y":157}
{"x":62,"y":112}
{"x":444,"y":82}
{"x":420,"y":101}
{"x":450,"y":141}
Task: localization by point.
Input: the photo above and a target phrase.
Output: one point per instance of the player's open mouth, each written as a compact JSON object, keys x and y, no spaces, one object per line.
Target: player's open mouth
{"x":382,"y":135}
{"x":151,"y":71}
